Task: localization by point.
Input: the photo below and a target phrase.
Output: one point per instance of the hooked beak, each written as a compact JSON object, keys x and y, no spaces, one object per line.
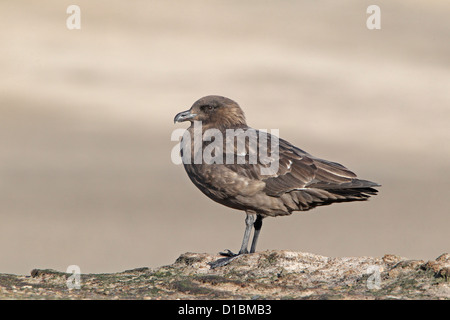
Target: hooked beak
{"x":184,"y":116}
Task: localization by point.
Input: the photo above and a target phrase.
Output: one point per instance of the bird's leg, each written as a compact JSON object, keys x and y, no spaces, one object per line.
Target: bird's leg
{"x":257,"y":225}
{"x":230,"y":256}
{"x":249,"y":221}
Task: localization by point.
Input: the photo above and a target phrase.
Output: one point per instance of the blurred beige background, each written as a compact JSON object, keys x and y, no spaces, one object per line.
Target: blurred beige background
{"x":86,"y":116}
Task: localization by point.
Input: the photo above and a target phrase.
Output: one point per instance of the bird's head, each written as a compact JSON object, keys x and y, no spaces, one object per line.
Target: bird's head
{"x":214,"y":112}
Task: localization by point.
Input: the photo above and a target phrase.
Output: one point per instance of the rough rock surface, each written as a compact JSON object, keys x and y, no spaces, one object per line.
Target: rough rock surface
{"x":262,"y":275}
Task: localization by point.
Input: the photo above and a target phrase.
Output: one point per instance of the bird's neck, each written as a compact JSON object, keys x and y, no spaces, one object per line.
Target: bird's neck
{"x":222,"y":127}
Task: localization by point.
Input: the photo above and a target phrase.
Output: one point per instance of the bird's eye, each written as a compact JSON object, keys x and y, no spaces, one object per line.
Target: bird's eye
{"x":207,"y":107}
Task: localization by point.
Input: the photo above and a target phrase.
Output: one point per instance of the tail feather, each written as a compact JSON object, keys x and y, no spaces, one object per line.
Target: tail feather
{"x":308,"y":198}
{"x":353,"y":184}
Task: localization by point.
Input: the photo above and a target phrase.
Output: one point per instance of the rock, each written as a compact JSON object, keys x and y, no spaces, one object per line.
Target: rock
{"x":263,"y":275}
{"x":440,"y":267}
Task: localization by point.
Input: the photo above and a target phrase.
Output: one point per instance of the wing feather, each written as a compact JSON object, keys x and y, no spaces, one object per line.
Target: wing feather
{"x":297,"y":170}
{"x":300,"y":181}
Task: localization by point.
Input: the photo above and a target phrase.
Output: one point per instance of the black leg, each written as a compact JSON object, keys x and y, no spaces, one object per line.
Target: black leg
{"x":257,"y":225}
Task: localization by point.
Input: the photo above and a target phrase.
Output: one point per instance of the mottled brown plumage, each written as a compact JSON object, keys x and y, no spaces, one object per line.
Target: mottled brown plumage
{"x":301,"y":181}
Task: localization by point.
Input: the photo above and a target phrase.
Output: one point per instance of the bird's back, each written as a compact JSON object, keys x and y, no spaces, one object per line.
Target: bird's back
{"x":298,"y":181}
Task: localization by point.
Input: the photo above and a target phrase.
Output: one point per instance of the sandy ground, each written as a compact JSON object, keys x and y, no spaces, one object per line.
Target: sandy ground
{"x":86,"y":117}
